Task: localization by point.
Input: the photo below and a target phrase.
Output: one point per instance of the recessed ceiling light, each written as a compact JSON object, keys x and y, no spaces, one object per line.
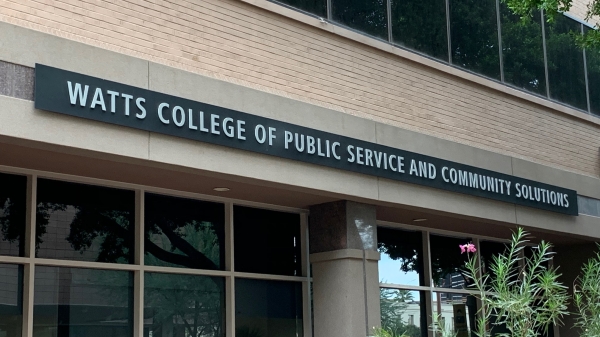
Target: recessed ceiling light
{"x":419,"y":220}
{"x":221,"y":189}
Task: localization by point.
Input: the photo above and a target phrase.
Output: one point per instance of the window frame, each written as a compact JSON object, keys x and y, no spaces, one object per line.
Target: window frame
{"x":428,"y":288}
{"x":29,"y":261}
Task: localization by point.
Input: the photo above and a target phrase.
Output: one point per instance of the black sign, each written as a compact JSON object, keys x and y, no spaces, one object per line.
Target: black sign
{"x":101,"y":100}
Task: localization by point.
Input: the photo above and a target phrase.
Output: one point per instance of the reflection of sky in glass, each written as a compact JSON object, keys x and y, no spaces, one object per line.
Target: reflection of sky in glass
{"x":389,"y":272}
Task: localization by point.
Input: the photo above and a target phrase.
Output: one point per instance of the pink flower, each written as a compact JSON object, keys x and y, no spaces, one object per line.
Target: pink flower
{"x":469,"y":248}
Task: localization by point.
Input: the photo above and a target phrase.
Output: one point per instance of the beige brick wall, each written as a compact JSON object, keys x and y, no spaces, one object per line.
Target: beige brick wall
{"x":579,"y":10}
{"x":237,"y":42}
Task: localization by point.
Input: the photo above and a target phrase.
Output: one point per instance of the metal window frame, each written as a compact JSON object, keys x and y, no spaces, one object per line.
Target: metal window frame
{"x":138,"y":268}
{"x":428,"y":288}
{"x":449,"y":33}
{"x":585,"y":71}
{"x":500,"y":50}
{"x":389,"y":21}
{"x":543,"y":22}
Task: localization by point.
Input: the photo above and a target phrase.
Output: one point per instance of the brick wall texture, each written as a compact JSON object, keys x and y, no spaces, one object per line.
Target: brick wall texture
{"x":241,"y":43}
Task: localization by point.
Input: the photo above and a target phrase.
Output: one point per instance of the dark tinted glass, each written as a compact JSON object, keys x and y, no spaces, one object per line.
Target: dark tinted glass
{"x":184,"y":233}
{"x":474,"y":36}
{"x":593,"y":69}
{"x":401,"y":256}
{"x":266,"y":242}
{"x":566,"y":75}
{"x":421,"y":25}
{"x":447,"y":261}
{"x":523,"y":51}
{"x":85,"y":223}
{"x":13,"y":202}
{"x":487,"y":251}
{"x":82,"y":302}
{"x":456,"y":312}
{"x":317,"y":7}
{"x":184,"y":305}
{"x":403,"y":312}
{"x":367,"y":16}
{"x":268,"y":308}
{"x":11,"y":300}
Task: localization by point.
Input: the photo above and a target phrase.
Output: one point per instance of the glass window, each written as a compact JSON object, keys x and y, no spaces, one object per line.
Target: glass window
{"x":403,"y":312}
{"x":266,"y":242}
{"x":11,"y":300}
{"x":367,"y":16}
{"x":474,"y":36}
{"x":401,"y":256}
{"x":84,"y":222}
{"x":317,"y":7}
{"x":82,"y":302}
{"x":456,"y":313}
{"x":184,"y":233}
{"x":566,"y":75}
{"x":523,"y":51}
{"x":12,"y":214}
{"x":593,"y":70}
{"x":487,"y":251}
{"x":268,"y":308}
{"x":184,"y":305}
{"x":447,"y":261}
{"x":421,"y":25}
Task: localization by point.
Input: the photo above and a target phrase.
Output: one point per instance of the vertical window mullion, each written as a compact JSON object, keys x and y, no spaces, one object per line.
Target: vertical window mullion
{"x":229,"y":266}
{"x":545,"y":53}
{"x":139,"y":227}
{"x":448,"y":32}
{"x":329,"y":11}
{"x":499,"y":25}
{"x":306,"y":300}
{"x":587,"y":83}
{"x":29,"y":269}
{"x":138,"y":275}
{"x":427,"y":277}
{"x":306,"y":309}
{"x":389,"y":21}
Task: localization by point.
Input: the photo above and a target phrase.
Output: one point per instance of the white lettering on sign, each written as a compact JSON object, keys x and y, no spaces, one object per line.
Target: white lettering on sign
{"x":323,"y":147}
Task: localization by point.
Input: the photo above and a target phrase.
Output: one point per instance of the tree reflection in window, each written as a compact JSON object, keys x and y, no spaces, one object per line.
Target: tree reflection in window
{"x":447,"y":262}
{"x":317,"y":7}
{"x":399,"y":307}
{"x":421,"y":25}
{"x":84,"y":222}
{"x":401,"y":256}
{"x":566,"y":72}
{"x":12,"y":214}
{"x":184,"y":232}
{"x":523,"y":51}
{"x":184,"y":305}
{"x":593,"y":70}
{"x":474,"y":36}
{"x":368,"y":16}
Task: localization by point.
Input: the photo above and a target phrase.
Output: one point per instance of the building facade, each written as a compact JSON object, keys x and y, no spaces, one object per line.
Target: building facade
{"x":283,"y":168}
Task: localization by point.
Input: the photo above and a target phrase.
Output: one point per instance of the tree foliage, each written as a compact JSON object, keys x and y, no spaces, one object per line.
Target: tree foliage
{"x":521,"y":293}
{"x":552,"y":8}
{"x":586,"y":297}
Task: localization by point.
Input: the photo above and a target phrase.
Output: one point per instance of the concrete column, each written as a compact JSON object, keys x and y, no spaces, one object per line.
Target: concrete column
{"x":343,"y":247}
